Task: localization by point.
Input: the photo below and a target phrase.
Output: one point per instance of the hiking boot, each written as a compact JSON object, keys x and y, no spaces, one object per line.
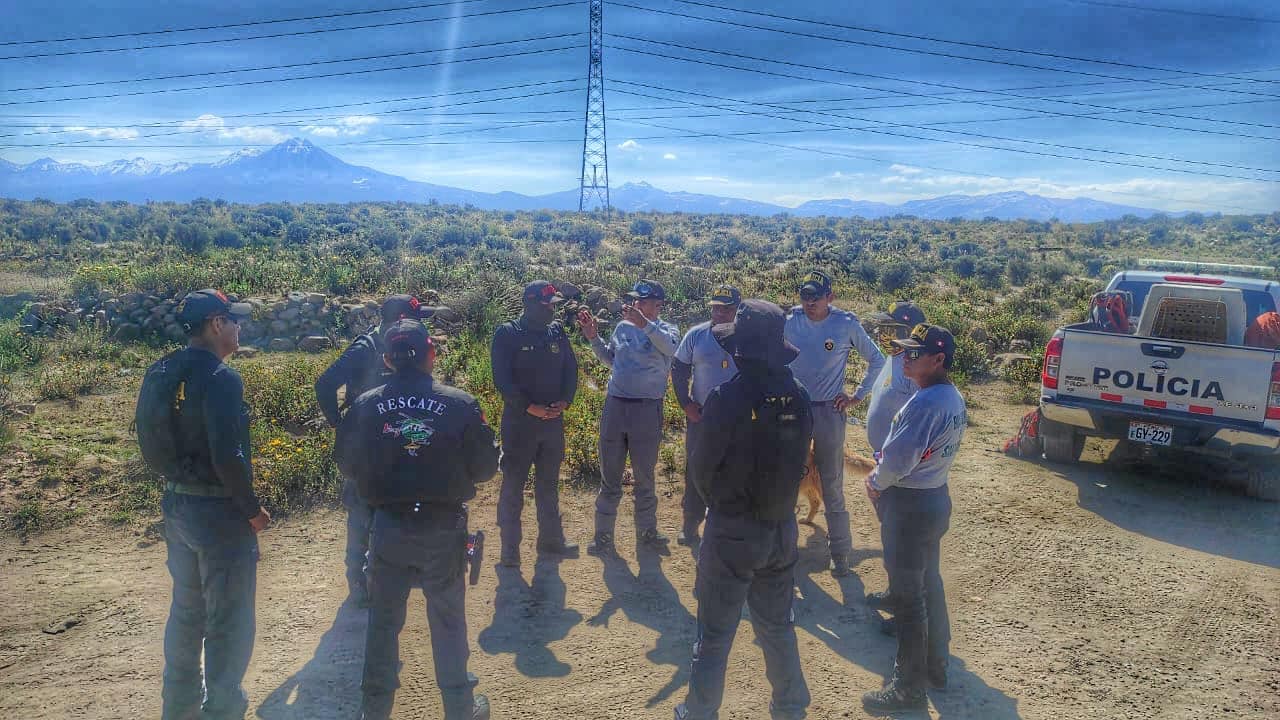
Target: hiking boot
{"x":888,"y":628}
{"x":653,"y":538}
{"x":688,"y":538}
{"x":893,"y":699}
{"x":510,"y":557}
{"x":480,"y":708}
{"x":938,"y":675}
{"x":840,"y":566}
{"x":559,"y":548}
{"x":602,"y":546}
{"x":879,"y":601}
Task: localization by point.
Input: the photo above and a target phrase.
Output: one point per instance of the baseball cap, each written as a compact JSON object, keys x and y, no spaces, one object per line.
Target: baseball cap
{"x":902,"y":312}
{"x":647,"y":290}
{"x":815,"y":283}
{"x":757,"y":333}
{"x":541,"y":291}
{"x":396,"y":307}
{"x":930,"y":339}
{"x":408,"y":338}
{"x":725,"y":295}
{"x":201,"y":305}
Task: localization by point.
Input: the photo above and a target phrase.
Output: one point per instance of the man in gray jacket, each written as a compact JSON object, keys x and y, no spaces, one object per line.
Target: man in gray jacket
{"x":639,"y":352}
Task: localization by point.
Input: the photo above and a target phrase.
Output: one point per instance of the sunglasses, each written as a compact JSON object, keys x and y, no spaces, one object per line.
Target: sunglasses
{"x":915,"y":354}
{"x":810,"y":296}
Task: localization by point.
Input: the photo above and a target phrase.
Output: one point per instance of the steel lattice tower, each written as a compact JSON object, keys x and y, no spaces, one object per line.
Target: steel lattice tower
{"x":594,"y":186}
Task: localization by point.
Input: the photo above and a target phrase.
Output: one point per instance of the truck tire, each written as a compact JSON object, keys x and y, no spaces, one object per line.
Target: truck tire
{"x":1263,"y":480}
{"x":1062,"y":443}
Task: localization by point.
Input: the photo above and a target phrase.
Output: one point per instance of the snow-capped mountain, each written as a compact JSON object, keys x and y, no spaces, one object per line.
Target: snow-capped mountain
{"x":298,"y":171}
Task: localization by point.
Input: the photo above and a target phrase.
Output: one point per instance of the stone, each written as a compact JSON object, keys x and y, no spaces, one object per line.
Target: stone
{"x":57,"y":627}
{"x":315,"y":343}
{"x":246,"y":351}
{"x":296,"y":298}
{"x":25,"y":409}
{"x":429,"y":297}
{"x":1004,"y":360}
{"x":307,"y":309}
{"x":279,"y":326}
{"x":569,"y":290}
{"x":1019,"y":346}
{"x":979,"y":336}
{"x":316,"y":299}
{"x":446,"y":314}
{"x":289,"y":315}
{"x":614,"y":306}
{"x":128,"y":332}
{"x":100,"y":318}
{"x":175,"y":333}
{"x":280,"y":345}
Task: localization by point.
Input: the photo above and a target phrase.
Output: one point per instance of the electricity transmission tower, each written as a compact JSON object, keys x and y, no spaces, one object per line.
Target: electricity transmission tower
{"x":594,"y":185}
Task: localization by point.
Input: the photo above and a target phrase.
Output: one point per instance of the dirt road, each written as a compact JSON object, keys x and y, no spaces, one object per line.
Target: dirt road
{"x":1082,"y":592}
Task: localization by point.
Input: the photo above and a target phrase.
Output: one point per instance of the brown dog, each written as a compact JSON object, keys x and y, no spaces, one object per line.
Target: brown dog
{"x":811,"y":485}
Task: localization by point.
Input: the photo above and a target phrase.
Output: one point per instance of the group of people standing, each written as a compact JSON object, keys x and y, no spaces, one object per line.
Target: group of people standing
{"x":760,"y":388}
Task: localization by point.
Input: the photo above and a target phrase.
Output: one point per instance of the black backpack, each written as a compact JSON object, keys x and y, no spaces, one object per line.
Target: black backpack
{"x":781,"y":428}
{"x":160,"y":403}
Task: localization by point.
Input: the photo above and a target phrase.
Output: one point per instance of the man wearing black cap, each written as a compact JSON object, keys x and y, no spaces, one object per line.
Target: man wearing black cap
{"x":909,"y":490}
{"x":358,"y":369}
{"x":536,"y":372}
{"x":211,"y":515}
{"x":416,"y":449}
{"x":700,"y":358}
{"x":749,"y":473}
{"x":639,"y":353}
{"x":825,"y":334}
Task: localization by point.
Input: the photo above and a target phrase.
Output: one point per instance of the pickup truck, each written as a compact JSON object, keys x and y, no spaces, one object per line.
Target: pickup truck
{"x":1180,"y":379}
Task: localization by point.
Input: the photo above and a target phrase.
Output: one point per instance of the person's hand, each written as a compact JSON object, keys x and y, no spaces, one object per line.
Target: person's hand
{"x":587,"y":324}
{"x":260,"y":521}
{"x":542,"y":412}
{"x":843,"y":402}
{"x":560,"y":406}
{"x":873,"y":494}
{"x":632,"y":314}
{"x":693,"y":411}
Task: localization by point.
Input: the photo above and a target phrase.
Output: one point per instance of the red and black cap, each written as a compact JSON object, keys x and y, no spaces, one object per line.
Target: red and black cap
{"x":541,"y":291}
{"x":930,"y":340}
{"x":407,"y":338}
{"x":396,"y":307}
{"x":902,"y":312}
{"x":201,"y":305}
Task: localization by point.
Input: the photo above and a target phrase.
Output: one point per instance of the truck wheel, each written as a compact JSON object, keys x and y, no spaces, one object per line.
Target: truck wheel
{"x":1263,"y":480}
{"x":1062,"y":443}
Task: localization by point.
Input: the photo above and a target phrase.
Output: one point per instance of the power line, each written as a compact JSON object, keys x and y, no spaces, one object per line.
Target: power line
{"x":831,"y":38}
{"x":932,"y":127}
{"x":297,"y":33}
{"x":1174,"y":11}
{"x":252,"y":23}
{"x":309,"y":63}
{"x":925,"y":82}
{"x":984,"y":46}
{"x":346,"y":73}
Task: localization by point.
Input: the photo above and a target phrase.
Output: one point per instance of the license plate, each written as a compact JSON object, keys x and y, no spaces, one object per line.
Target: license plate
{"x":1150,"y":434}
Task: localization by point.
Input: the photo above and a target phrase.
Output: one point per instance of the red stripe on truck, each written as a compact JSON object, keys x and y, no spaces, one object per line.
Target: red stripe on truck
{"x":1112,"y":398}
{"x":1158,"y":404}
{"x":1201,"y":410}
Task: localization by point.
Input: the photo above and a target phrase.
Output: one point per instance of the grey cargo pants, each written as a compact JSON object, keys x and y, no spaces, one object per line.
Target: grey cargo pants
{"x":828,"y":452}
{"x":629,"y":427}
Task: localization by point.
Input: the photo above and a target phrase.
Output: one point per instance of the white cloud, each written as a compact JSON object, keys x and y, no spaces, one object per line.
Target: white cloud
{"x":712,"y":179}
{"x":246,"y":133}
{"x":669,"y":156}
{"x":905,"y":169}
{"x":108,"y":133}
{"x":322,"y":130}
{"x":349,"y":126}
{"x":629,"y":145}
{"x":205,"y":121}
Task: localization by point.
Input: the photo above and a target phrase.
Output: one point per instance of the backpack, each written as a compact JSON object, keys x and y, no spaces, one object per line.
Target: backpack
{"x":781,"y":433}
{"x":1110,"y":311}
{"x":160,"y":403}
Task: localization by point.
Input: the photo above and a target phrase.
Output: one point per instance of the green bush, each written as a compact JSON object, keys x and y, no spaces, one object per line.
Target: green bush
{"x":19,"y":350}
{"x":291,"y":471}
{"x":69,"y":380}
{"x":281,"y":388}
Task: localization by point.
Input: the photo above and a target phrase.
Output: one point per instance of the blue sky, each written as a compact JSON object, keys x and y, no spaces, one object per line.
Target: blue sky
{"x":931,"y":123}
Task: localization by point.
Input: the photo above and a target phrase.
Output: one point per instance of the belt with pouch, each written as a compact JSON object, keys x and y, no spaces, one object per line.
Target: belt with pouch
{"x":197,"y":489}
{"x":439,"y":514}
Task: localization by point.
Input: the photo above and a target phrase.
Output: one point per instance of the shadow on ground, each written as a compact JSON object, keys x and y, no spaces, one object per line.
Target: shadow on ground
{"x":528,"y":617}
{"x":328,"y":686}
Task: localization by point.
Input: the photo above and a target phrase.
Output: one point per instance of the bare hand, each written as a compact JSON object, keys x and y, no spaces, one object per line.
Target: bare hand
{"x":260,"y":521}
{"x":632,"y":314}
{"x":587,"y":324}
{"x":542,"y":412}
{"x":872,"y":493}
{"x":693,"y":411}
{"x":560,"y":405}
{"x":843,"y":402}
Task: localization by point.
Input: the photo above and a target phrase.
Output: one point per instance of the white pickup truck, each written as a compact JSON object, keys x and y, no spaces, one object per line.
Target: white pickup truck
{"x":1181,"y":379}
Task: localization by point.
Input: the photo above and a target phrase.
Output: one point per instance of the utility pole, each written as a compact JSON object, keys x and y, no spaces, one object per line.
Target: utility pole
{"x":594,"y":182}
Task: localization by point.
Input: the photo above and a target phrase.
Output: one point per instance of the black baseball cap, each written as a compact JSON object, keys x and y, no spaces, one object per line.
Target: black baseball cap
{"x":407,"y":338}
{"x":815,"y":283}
{"x":725,"y":295}
{"x":930,"y":339}
{"x":396,"y":307}
{"x":201,"y":305}
{"x":541,"y":291}
{"x":647,"y":290}
{"x":902,"y":312}
{"x":756,"y":333}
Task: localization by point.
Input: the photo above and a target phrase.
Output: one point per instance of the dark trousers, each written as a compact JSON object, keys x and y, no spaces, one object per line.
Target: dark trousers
{"x":695,"y":509}
{"x":912,"y":525}
{"x":359,"y":521}
{"x":746,"y":560}
{"x":427,"y":553}
{"x":213,"y":559}
{"x":530,"y":442}
{"x":629,"y":428}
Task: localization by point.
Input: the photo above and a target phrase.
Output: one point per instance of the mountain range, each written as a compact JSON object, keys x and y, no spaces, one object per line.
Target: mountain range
{"x":299,"y":171}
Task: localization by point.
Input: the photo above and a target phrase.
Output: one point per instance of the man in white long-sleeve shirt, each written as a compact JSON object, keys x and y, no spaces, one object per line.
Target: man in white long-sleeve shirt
{"x":824,"y":335}
{"x":640,"y":353}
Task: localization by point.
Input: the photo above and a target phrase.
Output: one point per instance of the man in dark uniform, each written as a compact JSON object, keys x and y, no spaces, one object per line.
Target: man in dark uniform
{"x":359,"y":369}
{"x":536,"y":372}
{"x":416,"y":449}
{"x":211,"y":519}
{"x":748,"y":467}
